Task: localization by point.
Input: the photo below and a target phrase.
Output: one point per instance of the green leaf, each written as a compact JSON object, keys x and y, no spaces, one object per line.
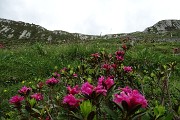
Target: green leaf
{"x":178,"y":110}
{"x":169,"y":117}
{"x":137,"y":115}
{"x":159,"y":110}
{"x":36,"y":110}
{"x":32,"y":102}
{"x":110,"y":112}
{"x":86,"y":108}
{"x":76,"y":116}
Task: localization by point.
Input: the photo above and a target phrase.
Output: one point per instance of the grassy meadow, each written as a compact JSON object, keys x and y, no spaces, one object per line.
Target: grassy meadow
{"x":29,"y":63}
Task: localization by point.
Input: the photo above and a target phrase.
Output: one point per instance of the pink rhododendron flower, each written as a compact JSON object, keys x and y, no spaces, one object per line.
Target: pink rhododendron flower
{"x":127,"y":69}
{"x":100,"y":90}
{"x":119,"y":58}
{"x":109,"y":82}
{"x":37,"y":96}
{"x":52,"y":81}
{"x":100,"y":80}
{"x":74,"y":90}
{"x":56,"y":75}
{"x":71,"y":100}
{"x":120,"y":53}
{"x":132,"y":97}
{"x":16,"y":100}
{"x":95,"y":55}
{"x":87,"y":88}
{"x":137,"y":98}
{"x":114,"y":66}
{"x":106,"y":67}
{"x":24,"y":90}
{"x":127,"y":89}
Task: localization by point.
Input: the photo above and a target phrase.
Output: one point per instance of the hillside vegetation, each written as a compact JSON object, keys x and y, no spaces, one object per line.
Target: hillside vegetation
{"x":27,"y":64}
{"x":56,"y":75}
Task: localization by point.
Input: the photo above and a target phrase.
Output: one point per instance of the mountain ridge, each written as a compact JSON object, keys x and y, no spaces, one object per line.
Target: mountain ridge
{"x":13,"y":30}
{"x":164,"y":26}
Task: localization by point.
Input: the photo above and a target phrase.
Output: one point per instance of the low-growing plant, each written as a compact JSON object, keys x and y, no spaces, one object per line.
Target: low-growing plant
{"x":102,"y":86}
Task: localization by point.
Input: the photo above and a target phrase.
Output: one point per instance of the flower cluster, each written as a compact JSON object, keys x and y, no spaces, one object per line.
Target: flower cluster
{"x":120,"y":55}
{"x":105,"y":83}
{"x":71,"y":100}
{"x":16,"y":100}
{"x":24,"y":91}
{"x":87,"y":88}
{"x":74,"y":90}
{"x":37,"y":96}
{"x":52,"y":81}
{"x":56,"y":75}
{"x":94,"y":90}
{"x":131,"y":97}
{"x":127,"y":69}
{"x":106,"y":67}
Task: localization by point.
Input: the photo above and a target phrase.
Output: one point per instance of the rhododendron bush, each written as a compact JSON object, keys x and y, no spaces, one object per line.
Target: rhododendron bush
{"x":101,"y":87}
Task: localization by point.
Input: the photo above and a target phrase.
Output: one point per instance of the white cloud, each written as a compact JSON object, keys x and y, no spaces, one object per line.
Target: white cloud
{"x":91,"y":16}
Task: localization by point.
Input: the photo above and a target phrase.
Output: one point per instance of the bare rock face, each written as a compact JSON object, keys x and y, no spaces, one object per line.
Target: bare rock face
{"x":164,"y":26}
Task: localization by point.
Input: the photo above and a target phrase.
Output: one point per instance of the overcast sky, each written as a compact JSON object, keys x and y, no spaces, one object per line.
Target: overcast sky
{"x":91,"y":16}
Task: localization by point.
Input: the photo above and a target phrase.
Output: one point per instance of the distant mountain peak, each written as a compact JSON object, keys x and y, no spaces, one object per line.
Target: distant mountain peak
{"x":164,"y":26}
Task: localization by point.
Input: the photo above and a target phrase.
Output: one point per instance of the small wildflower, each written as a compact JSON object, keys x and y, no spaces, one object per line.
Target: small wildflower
{"x":24,"y":91}
{"x":87,"y":88}
{"x":114,"y":66}
{"x":105,"y":82}
{"x":71,"y":100}
{"x":106,"y":67}
{"x":132,"y":97}
{"x":74,"y":90}
{"x":56,"y":75}
{"x":16,"y":100}
{"x":52,"y":81}
{"x":100,"y":90}
{"x":37,"y":96}
{"x":109,"y":82}
{"x":127,"y":69}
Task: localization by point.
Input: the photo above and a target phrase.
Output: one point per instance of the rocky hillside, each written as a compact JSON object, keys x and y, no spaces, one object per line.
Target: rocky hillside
{"x":164,"y":26}
{"x":15,"y":32}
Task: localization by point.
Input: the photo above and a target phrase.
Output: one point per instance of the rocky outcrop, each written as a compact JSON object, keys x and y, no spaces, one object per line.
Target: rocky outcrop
{"x":164,"y":26}
{"x":10,"y":29}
